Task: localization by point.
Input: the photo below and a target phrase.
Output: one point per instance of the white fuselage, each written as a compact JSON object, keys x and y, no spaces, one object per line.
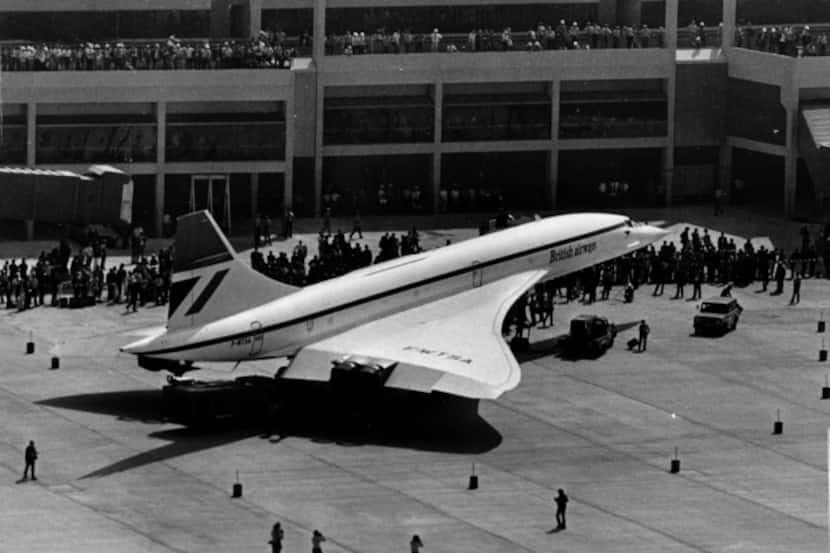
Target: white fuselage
{"x":559,"y":245}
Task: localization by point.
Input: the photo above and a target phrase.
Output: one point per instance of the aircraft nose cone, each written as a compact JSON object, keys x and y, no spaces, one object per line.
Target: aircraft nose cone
{"x":652,"y":233}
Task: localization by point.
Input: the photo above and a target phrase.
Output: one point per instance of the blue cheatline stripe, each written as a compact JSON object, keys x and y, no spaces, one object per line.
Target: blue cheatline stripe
{"x":384,"y":294}
{"x":203,"y":298}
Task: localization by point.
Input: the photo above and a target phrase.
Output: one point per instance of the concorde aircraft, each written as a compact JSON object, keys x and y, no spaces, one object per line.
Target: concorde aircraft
{"x":428,"y":322}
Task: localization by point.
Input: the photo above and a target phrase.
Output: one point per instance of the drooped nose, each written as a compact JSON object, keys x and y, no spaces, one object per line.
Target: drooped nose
{"x":650,"y":234}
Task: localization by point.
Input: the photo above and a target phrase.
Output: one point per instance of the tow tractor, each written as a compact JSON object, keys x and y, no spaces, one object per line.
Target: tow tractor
{"x":198,"y":403}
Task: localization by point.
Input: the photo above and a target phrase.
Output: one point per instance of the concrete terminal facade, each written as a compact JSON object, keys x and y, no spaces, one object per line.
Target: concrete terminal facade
{"x":429,"y":132}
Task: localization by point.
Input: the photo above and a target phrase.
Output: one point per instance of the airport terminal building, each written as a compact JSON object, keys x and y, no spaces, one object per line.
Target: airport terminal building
{"x":421,"y":106}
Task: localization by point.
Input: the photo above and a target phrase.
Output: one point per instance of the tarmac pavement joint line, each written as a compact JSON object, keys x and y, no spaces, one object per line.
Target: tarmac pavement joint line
{"x":251,"y":507}
{"x":632,"y":456}
{"x":421,"y":502}
{"x":709,"y":427}
{"x":609,"y":512}
{"x":68,"y":492}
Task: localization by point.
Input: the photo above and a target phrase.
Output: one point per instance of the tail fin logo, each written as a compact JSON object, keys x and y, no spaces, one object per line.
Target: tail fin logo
{"x":180,"y":290}
{"x":206,"y":294}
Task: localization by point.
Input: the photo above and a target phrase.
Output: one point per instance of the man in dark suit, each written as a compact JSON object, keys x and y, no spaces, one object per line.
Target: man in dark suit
{"x":31,"y":457}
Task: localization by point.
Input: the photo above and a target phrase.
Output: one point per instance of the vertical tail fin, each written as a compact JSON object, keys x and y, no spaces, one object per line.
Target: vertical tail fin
{"x":209,"y":281}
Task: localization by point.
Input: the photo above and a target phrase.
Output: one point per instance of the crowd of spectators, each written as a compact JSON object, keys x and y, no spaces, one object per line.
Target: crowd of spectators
{"x":698,"y":259}
{"x":336,"y":256}
{"x":543,"y":37}
{"x":787,"y":40}
{"x":83,"y":279}
{"x":267,"y":50}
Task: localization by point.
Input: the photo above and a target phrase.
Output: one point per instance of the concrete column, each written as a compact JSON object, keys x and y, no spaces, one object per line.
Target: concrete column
{"x":318,"y":52}
{"x":553,"y":176}
{"x":288,"y":184}
{"x":161,"y":146}
{"x":158,"y":196}
{"x":290,"y":125}
{"x":730,"y":10}
{"x":668,"y":174}
{"x":668,"y":165}
{"x":553,"y":154}
{"x":438,"y":126}
{"x":790,"y":100}
{"x":670,"y":40}
{"x":31,"y":134}
{"x":31,"y":158}
{"x":254,"y":179}
{"x":791,"y":162}
{"x":436,"y":181}
{"x":319,"y":39}
{"x":318,"y":147}
{"x":725,"y":168}
{"x":254,"y":17}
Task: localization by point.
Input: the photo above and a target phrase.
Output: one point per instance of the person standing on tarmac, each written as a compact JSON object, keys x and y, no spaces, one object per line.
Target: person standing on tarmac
{"x":697,"y":281}
{"x":796,"y":298}
{"x":780,"y":274}
{"x":561,"y":505}
{"x":31,"y":457}
{"x":357,"y":228}
{"x":415,"y":544}
{"x":643,"y":331}
{"x":276,"y":538}
{"x":317,"y":539}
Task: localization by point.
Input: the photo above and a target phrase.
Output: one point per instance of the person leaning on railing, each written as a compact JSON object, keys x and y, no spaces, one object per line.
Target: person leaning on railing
{"x":268,"y":50}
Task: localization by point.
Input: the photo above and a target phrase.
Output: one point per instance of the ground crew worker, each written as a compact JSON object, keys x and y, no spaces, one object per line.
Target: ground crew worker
{"x":276,"y":538}
{"x":317,"y":540}
{"x":561,"y":504}
{"x":697,"y":281}
{"x":415,"y":544}
{"x":288,"y":224}
{"x":643,"y":330}
{"x":796,"y":289}
{"x":357,"y":228}
{"x":327,"y":221}
{"x":31,"y":457}
{"x":607,"y":283}
{"x":780,"y":274}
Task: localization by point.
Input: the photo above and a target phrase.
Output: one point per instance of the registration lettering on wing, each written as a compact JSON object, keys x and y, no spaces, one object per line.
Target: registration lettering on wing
{"x":439,"y":354}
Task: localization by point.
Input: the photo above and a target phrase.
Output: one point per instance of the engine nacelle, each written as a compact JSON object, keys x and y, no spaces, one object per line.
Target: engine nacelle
{"x":361,"y":371}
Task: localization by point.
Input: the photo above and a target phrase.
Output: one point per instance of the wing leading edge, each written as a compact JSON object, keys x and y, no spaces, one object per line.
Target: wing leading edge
{"x":452,"y":345}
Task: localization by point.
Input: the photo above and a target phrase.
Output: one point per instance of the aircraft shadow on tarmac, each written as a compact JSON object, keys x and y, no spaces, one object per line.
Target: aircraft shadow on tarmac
{"x":557,"y":346}
{"x":432,"y":425}
{"x":418,"y":429}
